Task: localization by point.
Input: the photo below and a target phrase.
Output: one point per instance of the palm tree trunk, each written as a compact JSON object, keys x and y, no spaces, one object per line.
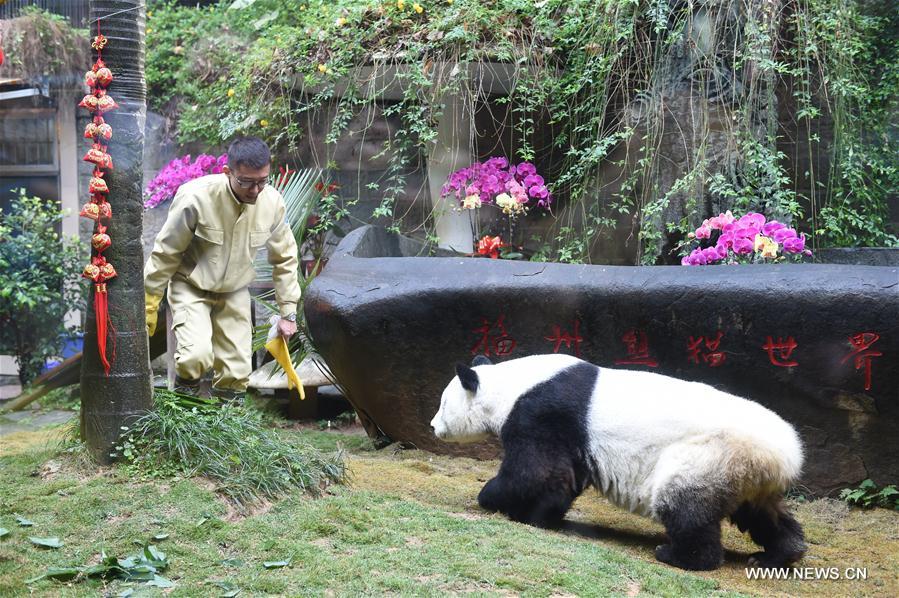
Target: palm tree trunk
{"x":110,"y":402}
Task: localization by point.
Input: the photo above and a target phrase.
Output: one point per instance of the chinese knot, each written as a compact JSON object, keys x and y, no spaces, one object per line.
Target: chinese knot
{"x":98,"y":209}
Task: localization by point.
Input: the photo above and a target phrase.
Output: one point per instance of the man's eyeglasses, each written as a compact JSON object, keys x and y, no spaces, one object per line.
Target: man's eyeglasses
{"x":244,"y":184}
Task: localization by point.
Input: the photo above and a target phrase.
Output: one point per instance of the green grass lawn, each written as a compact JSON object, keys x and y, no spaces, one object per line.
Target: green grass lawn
{"x":407,"y":523}
{"x":351,"y":541}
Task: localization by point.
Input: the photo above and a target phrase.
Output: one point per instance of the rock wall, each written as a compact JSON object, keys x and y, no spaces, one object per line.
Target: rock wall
{"x":816,"y":343}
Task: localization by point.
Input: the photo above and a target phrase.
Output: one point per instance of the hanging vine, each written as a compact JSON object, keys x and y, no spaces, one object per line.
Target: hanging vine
{"x":648,"y":115}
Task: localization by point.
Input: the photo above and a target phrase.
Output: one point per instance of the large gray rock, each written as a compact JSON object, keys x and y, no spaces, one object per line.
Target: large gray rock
{"x":791,"y":337}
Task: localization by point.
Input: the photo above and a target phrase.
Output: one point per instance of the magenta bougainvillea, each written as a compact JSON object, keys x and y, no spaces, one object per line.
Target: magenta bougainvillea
{"x":177,"y":172}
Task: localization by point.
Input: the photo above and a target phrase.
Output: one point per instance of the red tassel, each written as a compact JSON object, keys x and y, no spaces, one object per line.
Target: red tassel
{"x":101,"y":312}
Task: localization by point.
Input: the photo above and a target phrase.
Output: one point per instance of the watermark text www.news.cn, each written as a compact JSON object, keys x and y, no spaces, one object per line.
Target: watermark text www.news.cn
{"x":808,"y":573}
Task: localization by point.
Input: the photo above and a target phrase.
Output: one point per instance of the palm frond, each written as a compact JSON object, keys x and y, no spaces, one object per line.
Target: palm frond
{"x":301,"y":198}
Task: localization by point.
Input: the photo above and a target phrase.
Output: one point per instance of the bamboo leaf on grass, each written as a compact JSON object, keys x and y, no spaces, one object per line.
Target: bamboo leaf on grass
{"x":46,"y":542}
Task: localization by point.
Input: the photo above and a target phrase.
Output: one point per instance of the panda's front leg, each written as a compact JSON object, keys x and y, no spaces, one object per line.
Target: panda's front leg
{"x":508,"y":496}
{"x":539,"y":497}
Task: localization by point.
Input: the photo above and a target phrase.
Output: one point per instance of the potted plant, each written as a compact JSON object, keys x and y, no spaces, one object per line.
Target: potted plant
{"x":509,"y":189}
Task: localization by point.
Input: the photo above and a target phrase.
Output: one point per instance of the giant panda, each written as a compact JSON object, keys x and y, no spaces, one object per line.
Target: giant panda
{"x":682,"y":453}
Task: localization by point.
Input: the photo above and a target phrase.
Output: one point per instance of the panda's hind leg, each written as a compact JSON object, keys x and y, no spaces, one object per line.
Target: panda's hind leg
{"x":692,"y":519}
{"x":773,"y":528}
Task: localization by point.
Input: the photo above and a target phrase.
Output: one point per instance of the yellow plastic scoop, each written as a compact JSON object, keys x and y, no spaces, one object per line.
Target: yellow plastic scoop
{"x":277,"y":346}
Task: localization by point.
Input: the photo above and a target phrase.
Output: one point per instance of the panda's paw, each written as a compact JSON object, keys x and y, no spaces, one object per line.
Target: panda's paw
{"x":764,"y":560}
{"x":703,"y":561}
{"x":665,"y":553}
{"x":492,"y":496}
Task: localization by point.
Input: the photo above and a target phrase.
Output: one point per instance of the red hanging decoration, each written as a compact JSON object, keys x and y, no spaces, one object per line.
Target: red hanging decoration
{"x":98,"y":209}
{"x":97,"y":184}
{"x":101,"y":241}
{"x":98,"y":128}
{"x":99,"y":271}
{"x":97,"y":154}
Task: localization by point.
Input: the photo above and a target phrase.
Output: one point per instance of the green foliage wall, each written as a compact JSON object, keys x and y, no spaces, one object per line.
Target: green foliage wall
{"x":782,"y":106}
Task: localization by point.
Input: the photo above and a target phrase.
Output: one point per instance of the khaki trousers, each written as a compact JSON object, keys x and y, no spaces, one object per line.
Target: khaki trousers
{"x":213,"y":330}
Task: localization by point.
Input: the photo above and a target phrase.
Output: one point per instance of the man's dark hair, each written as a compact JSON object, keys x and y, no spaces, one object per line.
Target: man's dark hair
{"x":248,"y":151}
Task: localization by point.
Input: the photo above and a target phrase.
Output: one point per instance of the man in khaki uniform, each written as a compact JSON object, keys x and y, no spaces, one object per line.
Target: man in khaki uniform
{"x":204,"y":254}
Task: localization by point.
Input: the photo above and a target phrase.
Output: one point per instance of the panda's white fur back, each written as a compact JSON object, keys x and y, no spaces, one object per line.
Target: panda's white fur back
{"x":649,"y":432}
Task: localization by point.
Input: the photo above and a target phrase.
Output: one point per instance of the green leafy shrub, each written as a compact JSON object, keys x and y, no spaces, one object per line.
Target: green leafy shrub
{"x":39,"y":274}
{"x":868,"y":495}
{"x":39,"y":45}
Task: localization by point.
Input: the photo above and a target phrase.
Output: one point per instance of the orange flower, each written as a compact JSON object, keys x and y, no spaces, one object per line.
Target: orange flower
{"x":490,"y":246}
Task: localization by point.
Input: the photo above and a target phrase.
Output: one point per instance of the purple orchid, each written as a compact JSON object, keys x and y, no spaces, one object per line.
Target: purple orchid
{"x":795,"y":244}
{"x":496,"y":176}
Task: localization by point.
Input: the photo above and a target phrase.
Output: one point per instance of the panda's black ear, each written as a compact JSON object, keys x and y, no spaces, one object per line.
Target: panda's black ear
{"x":468,"y":377}
{"x":481,"y":360}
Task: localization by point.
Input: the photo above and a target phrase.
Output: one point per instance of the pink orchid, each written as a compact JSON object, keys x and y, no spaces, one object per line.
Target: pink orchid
{"x":496,"y":176}
{"x":795,"y":245}
{"x":177,"y":172}
{"x":721,"y":220}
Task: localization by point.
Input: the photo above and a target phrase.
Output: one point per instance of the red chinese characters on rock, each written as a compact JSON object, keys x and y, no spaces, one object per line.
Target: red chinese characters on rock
{"x":713,"y":358}
{"x":494,"y":339}
{"x":500,"y":344}
{"x":784,"y":349}
{"x":559,"y":336}
{"x":637,"y":346}
{"x":863,"y":353}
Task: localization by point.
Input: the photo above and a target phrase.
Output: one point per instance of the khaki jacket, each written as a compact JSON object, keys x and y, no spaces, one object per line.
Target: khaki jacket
{"x":211,"y":240}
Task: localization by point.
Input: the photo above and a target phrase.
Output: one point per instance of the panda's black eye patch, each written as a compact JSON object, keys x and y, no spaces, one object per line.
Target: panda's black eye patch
{"x":468,"y":377}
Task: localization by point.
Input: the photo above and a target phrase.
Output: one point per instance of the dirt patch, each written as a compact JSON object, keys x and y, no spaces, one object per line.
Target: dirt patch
{"x":233,"y":511}
{"x":324,"y":543}
{"x":633,"y":588}
{"x":50,"y":469}
{"x":336,"y":427}
{"x":113,"y":519}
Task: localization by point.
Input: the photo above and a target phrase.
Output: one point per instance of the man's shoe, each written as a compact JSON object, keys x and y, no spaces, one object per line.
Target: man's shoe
{"x":229,"y":396}
{"x":186,"y":386}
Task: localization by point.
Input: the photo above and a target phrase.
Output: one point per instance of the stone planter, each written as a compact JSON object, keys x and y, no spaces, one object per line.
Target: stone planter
{"x":816,"y":343}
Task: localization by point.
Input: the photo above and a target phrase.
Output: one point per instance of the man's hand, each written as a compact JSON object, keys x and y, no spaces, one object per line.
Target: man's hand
{"x":287,"y":328}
